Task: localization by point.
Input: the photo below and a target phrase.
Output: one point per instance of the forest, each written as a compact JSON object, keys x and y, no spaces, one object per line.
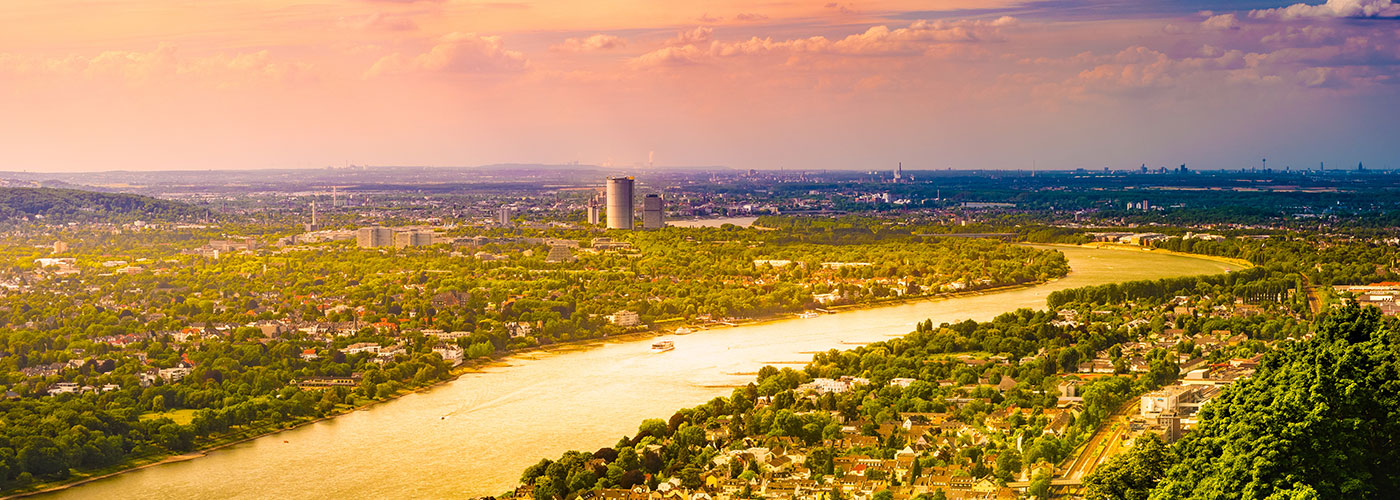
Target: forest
{"x":69,"y":205}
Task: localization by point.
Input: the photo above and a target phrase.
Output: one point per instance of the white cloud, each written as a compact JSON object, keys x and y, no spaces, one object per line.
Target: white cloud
{"x":1221,"y":22}
{"x":1333,"y":8}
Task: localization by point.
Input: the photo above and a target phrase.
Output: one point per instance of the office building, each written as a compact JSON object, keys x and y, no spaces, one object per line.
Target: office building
{"x":620,"y":213}
{"x":594,"y":211}
{"x":504,"y":216}
{"x":374,"y":237}
{"x":653,"y":216}
{"x":413,"y":238}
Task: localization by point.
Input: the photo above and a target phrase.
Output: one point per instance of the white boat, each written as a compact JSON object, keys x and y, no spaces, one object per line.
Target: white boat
{"x":663,"y":346}
{"x":684,"y":331}
{"x":809,"y":315}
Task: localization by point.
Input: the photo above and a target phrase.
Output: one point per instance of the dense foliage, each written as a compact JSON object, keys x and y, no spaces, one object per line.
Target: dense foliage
{"x":1319,"y":419}
{"x":58,"y":205}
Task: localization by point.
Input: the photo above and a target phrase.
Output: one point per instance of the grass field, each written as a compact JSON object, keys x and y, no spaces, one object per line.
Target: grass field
{"x":182,"y":417}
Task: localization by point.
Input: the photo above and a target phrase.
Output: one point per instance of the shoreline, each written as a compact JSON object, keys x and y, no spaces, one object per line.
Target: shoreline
{"x":478,"y":365}
{"x":1101,"y":245}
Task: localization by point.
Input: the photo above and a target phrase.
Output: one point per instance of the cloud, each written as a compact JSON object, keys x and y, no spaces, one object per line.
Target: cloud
{"x":379,"y":21}
{"x":919,"y":38}
{"x":841,"y":8}
{"x":709,"y":19}
{"x":590,"y":44}
{"x":745,"y":16}
{"x":1333,"y":8}
{"x":165,"y":63}
{"x":700,"y":34}
{"x":467,"y":53}
{"x":1221,"y":22}
{"x":1306,"y":35}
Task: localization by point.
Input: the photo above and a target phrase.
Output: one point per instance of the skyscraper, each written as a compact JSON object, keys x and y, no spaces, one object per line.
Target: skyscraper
{"x":653,"y":217}
{"x":593,"y":212}
{"x":504,"y":216}
{"x":620,"y":213}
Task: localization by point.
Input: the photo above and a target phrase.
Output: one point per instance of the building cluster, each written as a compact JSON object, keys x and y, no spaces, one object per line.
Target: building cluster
{"x":620,"y":210}
{"x":1171,"y":410}
{"x":1381,"y":295}
{"x":386,"y":237}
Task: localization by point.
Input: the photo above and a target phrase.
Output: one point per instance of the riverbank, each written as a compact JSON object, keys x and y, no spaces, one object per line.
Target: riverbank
{"x":527,"y":385}
{"x":498,"y":359}
{"x":508,"y":411}
{"x":1244,"y":264}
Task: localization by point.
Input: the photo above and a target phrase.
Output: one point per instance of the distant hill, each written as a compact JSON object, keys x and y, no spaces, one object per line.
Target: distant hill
{"x":73,"y":204}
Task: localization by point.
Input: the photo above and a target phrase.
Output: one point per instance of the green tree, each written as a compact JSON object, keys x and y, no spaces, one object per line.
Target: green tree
{"x":1131,"y":475}
{"x":1318,"y":419}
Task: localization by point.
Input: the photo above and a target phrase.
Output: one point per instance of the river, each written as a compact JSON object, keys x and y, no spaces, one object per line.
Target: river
{"x":474,"y":436}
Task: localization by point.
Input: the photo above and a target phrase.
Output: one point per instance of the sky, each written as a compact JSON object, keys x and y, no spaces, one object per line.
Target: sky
{"x":91,"y":85}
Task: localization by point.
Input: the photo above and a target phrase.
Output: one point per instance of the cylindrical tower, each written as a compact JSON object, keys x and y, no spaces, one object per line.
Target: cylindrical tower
{"x":620,"y":212}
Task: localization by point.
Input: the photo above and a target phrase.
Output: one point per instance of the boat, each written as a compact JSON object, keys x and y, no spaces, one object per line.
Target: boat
{"x":663,"y":346}
{"x":809,"y":315}
{"x":684,"y":331}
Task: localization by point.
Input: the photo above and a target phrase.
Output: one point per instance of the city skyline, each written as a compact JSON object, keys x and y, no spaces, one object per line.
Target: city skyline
{"x":141,"y":85}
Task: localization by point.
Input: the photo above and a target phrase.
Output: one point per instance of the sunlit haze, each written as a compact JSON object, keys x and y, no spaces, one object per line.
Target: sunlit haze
{"x":184,"y":84}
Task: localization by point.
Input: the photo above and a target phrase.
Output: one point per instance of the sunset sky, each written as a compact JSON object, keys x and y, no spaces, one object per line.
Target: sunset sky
{"x":207,"y":84}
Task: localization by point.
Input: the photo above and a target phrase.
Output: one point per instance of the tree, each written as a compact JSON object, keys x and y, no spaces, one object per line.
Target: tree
{"x":1132,"y":475}
{"x":42,"y":457}
{"x":1008,"y":465}
{"x":1316,"y":420}
{"x":1040,"y":486}
{"x":653,"y":427}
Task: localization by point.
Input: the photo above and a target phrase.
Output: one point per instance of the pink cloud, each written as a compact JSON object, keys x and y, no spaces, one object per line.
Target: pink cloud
{"x":919,"y":38}
{"x":456,"y":53}
{"x":700,"y":34}
{"x":164,"y":64}
{"x":379,"y":21}
{"x":590,"y":43}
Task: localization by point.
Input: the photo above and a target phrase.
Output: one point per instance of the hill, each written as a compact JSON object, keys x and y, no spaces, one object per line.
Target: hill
{"x":73,"y":204}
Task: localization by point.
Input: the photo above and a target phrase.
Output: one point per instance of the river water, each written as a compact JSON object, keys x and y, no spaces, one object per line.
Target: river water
{"x":474,"y":436}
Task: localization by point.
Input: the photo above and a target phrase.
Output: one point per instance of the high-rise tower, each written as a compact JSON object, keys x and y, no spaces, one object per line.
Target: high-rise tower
{"x":593,"y":211}
{"x":620,"y":213}
{"x":653,"y":216}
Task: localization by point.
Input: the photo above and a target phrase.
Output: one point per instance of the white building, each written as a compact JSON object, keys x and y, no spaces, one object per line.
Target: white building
{"x":625,"y":318}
